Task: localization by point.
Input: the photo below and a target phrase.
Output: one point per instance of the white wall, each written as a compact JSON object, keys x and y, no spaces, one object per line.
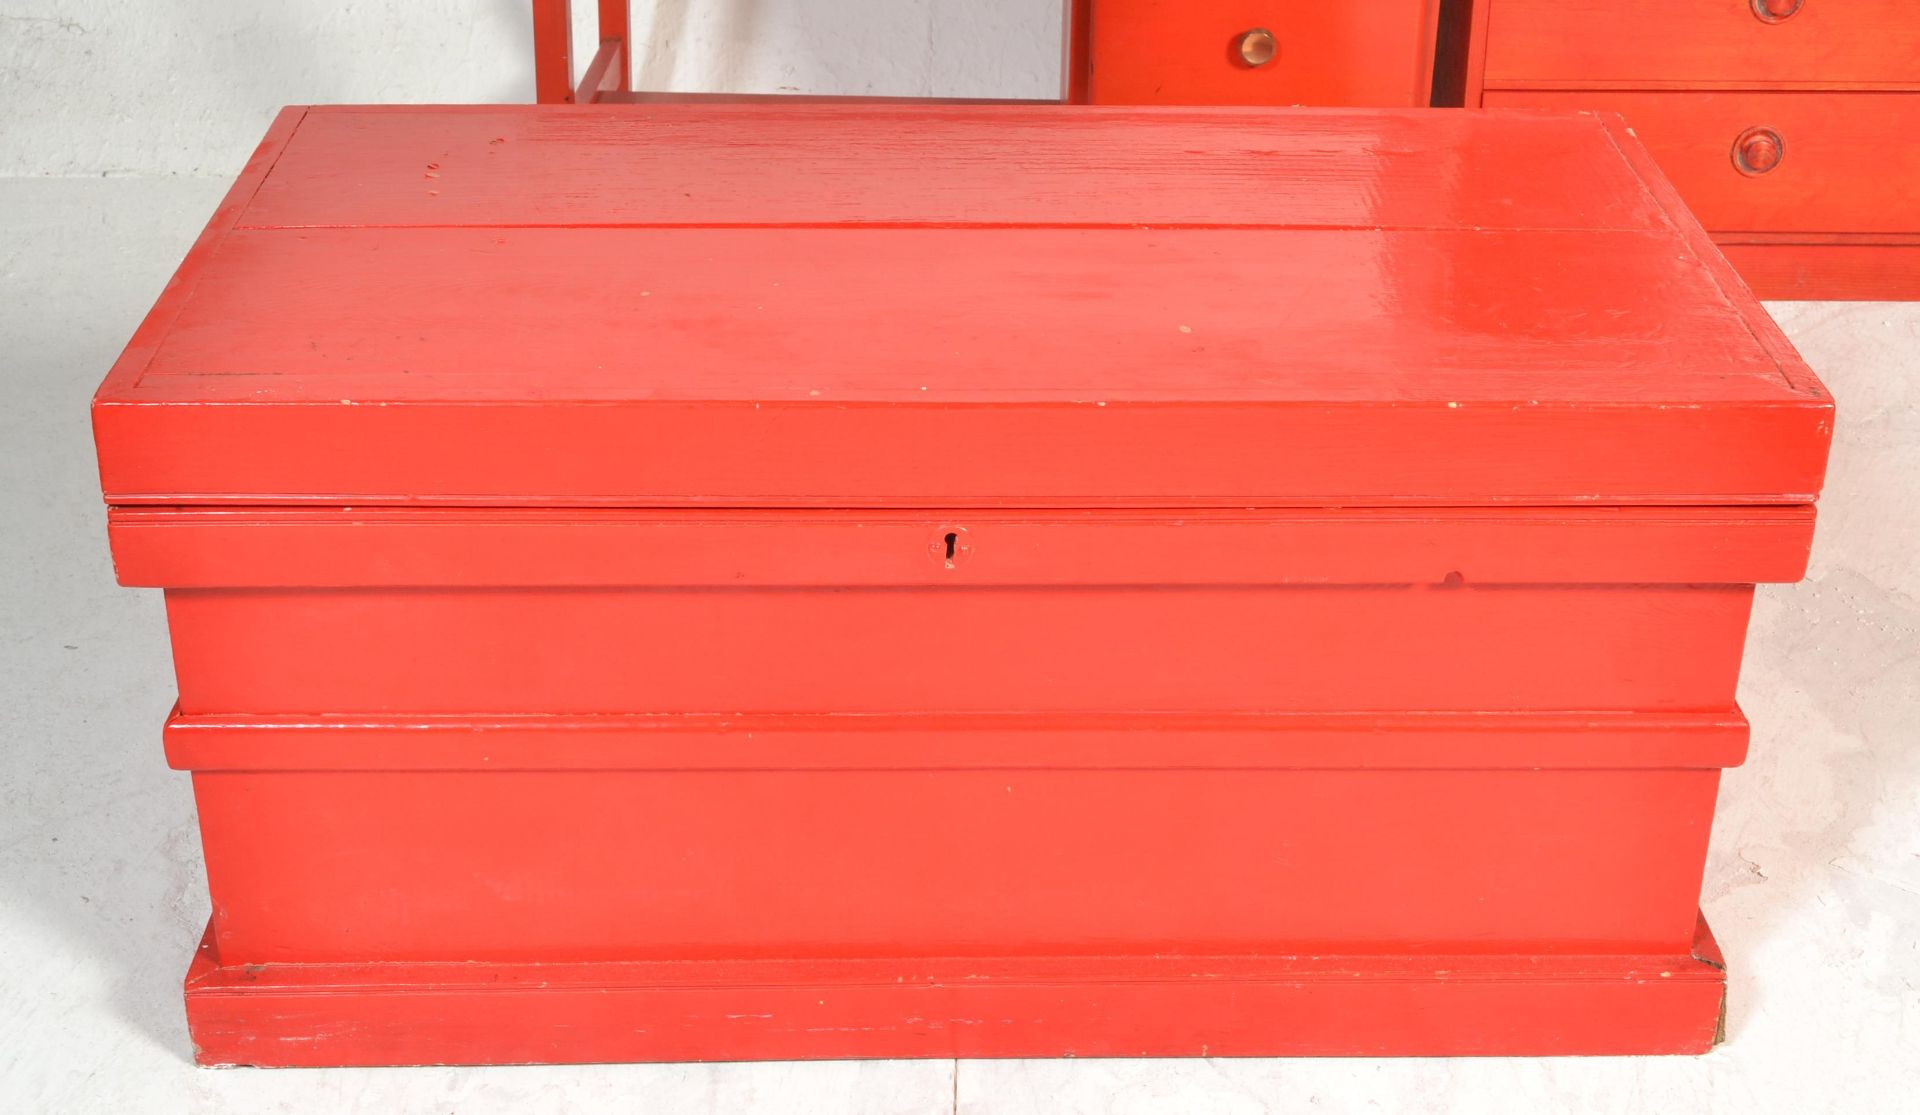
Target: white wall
{"x":107,"y":87}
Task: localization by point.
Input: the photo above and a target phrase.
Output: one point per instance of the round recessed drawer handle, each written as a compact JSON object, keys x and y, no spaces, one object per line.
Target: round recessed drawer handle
{"x":1258,"y":46}
{"x":1758,"y":150}
{"x":1774,"y":11}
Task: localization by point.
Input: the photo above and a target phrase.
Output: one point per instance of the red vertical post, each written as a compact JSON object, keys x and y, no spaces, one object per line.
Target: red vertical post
{"x":553,"y":52}
{"x":1075,"y":58}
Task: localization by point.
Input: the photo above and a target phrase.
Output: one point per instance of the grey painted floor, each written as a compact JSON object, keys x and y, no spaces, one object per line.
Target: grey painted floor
{"x":1813,"y":886}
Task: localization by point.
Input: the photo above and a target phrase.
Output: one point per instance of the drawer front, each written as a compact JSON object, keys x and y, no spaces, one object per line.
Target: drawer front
{"x":1767,"y":42}
{"x":1774,"y":162}
{"x":1263,"y":52}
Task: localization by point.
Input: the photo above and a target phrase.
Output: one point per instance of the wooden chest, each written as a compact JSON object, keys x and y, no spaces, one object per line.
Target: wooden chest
{"x":1257,"y":52}
{"x":1787,"y":125}
{"x":740,"y":581}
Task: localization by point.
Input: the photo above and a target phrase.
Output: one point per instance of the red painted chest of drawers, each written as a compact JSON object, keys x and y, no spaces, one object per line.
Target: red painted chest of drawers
{"x":1787,"y":125}
{"x":746,"y":581}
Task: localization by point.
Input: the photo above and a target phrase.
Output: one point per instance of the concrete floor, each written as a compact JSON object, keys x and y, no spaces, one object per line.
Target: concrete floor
{"x":1813,"y":885}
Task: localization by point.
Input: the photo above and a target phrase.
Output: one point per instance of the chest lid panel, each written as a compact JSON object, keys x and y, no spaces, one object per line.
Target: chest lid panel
{"x":926,"y":306}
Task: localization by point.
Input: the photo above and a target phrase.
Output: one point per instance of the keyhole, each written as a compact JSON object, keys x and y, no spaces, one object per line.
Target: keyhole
{"x":949,"y":547}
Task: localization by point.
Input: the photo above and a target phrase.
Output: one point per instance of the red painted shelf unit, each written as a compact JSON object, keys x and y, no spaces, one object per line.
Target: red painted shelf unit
{"x":751,"y":581}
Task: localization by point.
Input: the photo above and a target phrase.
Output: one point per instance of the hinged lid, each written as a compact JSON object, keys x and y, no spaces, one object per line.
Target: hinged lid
{"x":955,"y":306}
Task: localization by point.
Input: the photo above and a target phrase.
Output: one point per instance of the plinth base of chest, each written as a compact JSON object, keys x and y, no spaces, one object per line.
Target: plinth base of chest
{"x":1863,"y":267}
{"x":305,"y":1015}
{"x":673,"y":887}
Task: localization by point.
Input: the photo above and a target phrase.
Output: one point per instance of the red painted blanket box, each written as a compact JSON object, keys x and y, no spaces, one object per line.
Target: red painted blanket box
{"x":745,"y":581}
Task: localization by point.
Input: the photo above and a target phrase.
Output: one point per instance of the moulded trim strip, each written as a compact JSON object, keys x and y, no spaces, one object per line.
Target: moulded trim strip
{"x":454,"y":548}
{"x":688,"y":742}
